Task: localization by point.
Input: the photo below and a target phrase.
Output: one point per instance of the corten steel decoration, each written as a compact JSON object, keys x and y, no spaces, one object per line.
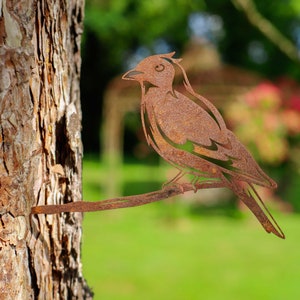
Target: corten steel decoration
{"x":188,"y":132}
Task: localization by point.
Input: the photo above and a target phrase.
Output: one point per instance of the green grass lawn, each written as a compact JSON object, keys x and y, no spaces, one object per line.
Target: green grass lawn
{"x":156,"y":252}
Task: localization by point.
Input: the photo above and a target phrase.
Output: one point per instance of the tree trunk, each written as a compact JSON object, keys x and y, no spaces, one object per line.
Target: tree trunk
{"x":40,"y":148}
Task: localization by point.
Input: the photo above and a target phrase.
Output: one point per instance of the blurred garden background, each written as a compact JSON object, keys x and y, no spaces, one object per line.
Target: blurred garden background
{"x":244,"y":57}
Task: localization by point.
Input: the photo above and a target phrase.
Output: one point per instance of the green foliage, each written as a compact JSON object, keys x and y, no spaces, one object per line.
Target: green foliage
{"x":295,"y":6}
{"x":123,"y":25}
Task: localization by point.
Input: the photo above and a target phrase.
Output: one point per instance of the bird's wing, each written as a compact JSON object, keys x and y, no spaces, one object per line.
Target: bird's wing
{"x":188,"y":126}
{"x":182,"y":119}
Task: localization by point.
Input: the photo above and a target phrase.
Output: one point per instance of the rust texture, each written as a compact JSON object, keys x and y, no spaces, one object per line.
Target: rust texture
{"x":121,"y":202}
{"x":189,"y":132}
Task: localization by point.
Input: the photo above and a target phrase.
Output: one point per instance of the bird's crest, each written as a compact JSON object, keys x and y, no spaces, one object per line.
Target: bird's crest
{"x":169,"y":57}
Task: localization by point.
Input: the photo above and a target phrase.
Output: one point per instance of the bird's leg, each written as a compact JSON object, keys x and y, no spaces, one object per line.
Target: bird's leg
{"x":194,"y":181}
{"x":174,"y":180}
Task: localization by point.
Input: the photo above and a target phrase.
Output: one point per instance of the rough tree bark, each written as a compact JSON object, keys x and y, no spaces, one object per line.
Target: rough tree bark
{"x":40,"y":148}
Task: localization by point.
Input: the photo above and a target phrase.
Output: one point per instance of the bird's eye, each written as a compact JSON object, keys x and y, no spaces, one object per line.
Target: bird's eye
{"x":159,"y":68}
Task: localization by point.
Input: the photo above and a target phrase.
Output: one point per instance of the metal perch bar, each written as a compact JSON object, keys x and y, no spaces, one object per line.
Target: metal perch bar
{"x":122,"y":202}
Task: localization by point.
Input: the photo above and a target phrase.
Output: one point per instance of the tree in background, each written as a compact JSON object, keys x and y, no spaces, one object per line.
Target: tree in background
{"x":41,"y":151}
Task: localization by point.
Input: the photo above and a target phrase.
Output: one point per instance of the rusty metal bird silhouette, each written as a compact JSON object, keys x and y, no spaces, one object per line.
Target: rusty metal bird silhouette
{"x":189,"y":132}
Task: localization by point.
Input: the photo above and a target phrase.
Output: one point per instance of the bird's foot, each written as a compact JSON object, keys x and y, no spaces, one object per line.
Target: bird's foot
{"x":173,"y":184}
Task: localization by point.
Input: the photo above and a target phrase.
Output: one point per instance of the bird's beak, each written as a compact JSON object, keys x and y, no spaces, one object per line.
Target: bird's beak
{"x":132,"y":75}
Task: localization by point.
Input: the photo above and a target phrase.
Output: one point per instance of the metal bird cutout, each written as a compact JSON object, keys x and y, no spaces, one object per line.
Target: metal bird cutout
{"x":189,"y":132}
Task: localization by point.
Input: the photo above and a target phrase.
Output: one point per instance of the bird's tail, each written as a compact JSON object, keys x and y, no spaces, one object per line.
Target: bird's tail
{"x":253,"y":201}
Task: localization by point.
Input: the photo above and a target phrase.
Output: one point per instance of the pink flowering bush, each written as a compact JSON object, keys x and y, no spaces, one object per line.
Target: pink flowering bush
{"x":267,"y":119}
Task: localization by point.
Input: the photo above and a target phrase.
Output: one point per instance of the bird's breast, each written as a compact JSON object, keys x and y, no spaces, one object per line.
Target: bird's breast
{"x":181,"y":119}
